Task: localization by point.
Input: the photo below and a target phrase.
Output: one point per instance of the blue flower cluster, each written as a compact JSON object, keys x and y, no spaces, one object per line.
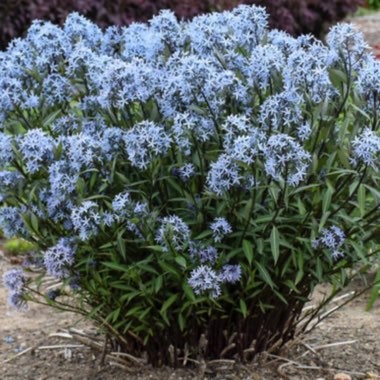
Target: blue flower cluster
{"x":173,"y":233}
{"x":144,"y":131}
{"x":366,"y":148}
{"x":12,"y":223}
{"x":60,"y":258}
{"x":206,"y":280}
{"x":14,"y":280}
{"x":220,"y":227}
{"x":331,"y":239}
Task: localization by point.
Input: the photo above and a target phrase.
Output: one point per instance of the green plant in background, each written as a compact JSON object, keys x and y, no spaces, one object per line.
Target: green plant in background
{"x":189,"y":181}
{"x":373,"y":4}
{"x":18,"y":246}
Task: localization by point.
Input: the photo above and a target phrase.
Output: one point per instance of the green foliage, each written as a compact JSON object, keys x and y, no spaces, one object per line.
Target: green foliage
{"x":18,"y":246}
{"x":373,"y":4}
{"x":121,"y":226}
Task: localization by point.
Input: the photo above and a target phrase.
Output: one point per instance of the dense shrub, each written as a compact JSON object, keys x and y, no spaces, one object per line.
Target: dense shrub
{"x":307,"y":16}
{"x":294,"y":16}
{"x":373,"y":4}
{"x":189,"y":181}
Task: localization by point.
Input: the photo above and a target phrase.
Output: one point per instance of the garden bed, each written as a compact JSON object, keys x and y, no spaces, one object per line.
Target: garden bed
{"x":351,"y":332}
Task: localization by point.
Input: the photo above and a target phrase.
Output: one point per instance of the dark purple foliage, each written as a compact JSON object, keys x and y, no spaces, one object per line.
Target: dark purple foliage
{"x":307,"y":16}
{"x":294,"y":16}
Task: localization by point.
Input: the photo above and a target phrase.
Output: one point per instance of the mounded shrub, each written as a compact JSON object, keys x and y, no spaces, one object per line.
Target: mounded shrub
{"x":293,"y":16}
{"x":188,"y":183}
{"x":307,"y":16}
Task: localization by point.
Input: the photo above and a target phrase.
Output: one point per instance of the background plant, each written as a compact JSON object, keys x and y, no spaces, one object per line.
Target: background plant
{"x":189,"y":182}
{"x":293,"y":16}
{"x":373,"y":4}
{"x":17,"y":247}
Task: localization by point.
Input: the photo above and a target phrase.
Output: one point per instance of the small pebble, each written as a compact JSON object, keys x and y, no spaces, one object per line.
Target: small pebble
{"x":342,"y":376}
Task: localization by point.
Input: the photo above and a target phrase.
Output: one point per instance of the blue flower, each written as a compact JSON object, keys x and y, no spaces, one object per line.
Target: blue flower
{"x":57,"y":89}
{"x":366,"y":148}
{"x":165,"y":25}
{"x":16,"y":300}
{"x":14,"y":280}
{"x":220,"y":227}
{"x":9,"y":182}
{"x":6,"y":151}
{"x":173,"y":233}
{"x":12,"y":223}
{"x":285,"y":157}
{"x":36,"y":147}
{"x":82,"y":150}
{"x":86,"y":219}
{"x":223,"y":175}
{"x":140,"y":41}
{"x":203,"y":253}
{"x":144,"y":142}
{"x":77,"y":28}
{"x":186,"y":172}
{"x":121,"y":204}
{"x":332,"y":239}
{"x":205,"y":280}
{"x":230,"y":273}
{"x":368,"y":80}
{"x":345,"y":39}
{"x":59,"y":259}
{"x":265,"y":62}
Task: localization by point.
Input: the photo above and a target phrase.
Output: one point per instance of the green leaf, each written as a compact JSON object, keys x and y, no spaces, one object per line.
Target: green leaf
{"x":243,"y":308}
{"x":326,"y":202}
{"x":260,"y":245}
{"x":280,"y":296}
{"x":181,"y":261}
{"x":360,"y":251}
{"x":181,"y":322}
{"x":121,"y":246}
{"x":34,"y":223}
{"x":265,"y":275}
{"x":116,"y":266}
{"x":166,"y":306}
{"x":247,"y":209}
{"x":248,"y":250}
{"x":361,"y":199}
{"x":169,"y":269}
{"x":50,"y":118}
{"x":324,"y":219}
{"x":155,"y":248}
{"x":275,"y":244}
{"x":158,"y":283}
{"x":299,"y":276}
{"x":203,"y":235}
{"x":189,"y":292}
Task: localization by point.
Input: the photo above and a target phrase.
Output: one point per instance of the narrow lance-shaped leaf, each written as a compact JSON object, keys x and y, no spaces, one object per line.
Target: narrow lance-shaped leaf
{"x":275,"y":244}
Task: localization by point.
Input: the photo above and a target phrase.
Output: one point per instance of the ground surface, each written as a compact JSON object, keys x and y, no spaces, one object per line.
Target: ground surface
{"x":354,"y":336}
{"x":352,"y":333}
